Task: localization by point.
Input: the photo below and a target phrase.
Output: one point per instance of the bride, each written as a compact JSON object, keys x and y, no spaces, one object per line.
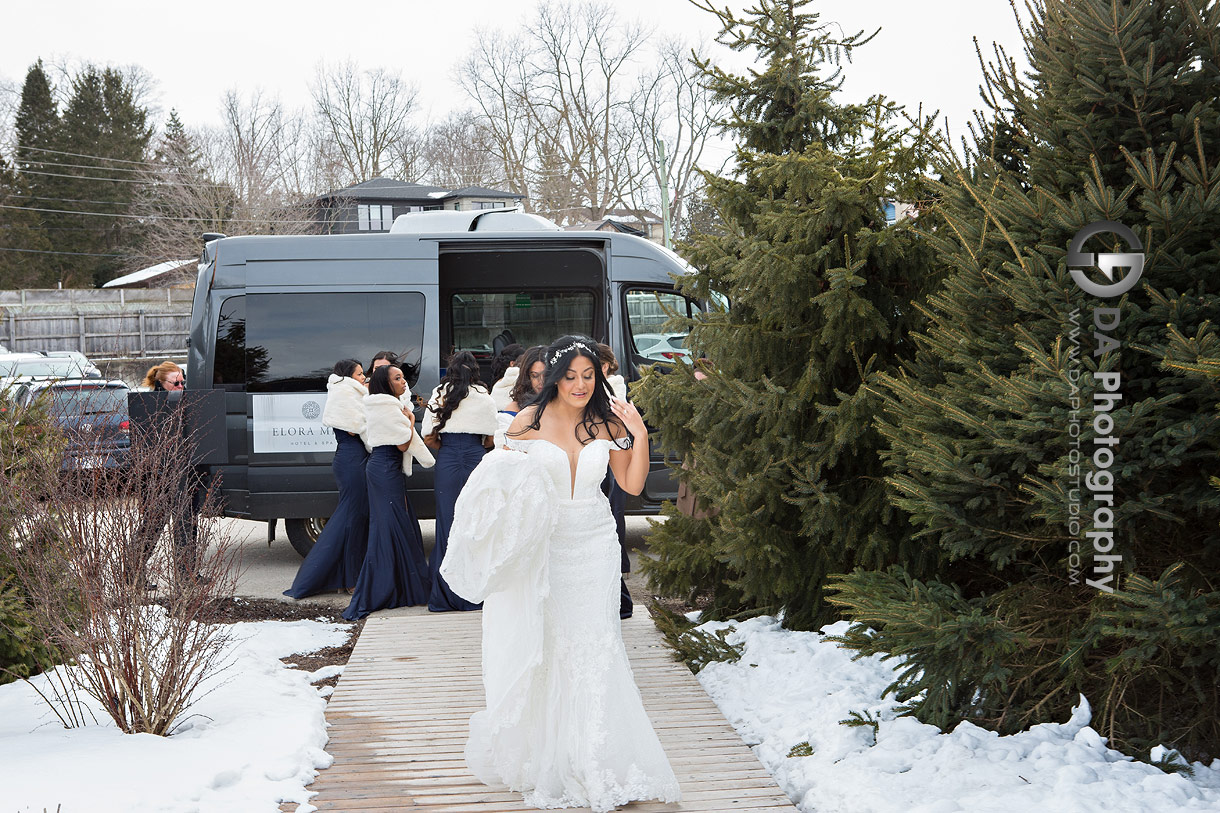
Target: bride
{"x":534,"y":539}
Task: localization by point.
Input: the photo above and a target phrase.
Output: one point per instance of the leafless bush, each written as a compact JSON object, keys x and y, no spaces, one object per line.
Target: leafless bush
{"x":87,"y":544}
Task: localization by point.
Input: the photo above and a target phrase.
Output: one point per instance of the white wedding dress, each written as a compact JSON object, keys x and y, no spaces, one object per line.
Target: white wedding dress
{"x":564,"y":723}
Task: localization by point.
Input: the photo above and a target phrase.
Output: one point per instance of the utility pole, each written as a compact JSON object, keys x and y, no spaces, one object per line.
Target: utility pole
{"x":664,"y":192}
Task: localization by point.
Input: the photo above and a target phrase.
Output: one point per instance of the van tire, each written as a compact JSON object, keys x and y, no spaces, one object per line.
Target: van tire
{"x":303,"y":533}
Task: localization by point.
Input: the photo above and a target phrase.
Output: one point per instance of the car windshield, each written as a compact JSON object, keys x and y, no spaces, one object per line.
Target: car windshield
{"x":88,"y":400}
{"x":59,"y":368}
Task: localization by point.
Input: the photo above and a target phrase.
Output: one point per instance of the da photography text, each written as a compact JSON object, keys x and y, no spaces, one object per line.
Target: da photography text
{"x":1096,"y":461}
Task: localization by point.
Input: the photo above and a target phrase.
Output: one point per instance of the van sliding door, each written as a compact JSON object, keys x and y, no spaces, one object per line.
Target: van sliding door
{"x":527,"y":294}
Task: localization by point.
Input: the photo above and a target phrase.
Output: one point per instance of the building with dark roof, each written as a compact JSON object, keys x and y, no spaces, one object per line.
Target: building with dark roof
{"x":627,"y":221}
{"x":371,"y":206}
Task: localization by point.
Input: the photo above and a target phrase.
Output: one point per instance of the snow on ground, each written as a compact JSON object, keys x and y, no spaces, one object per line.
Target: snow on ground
{"x":254,"y":739}
{"x":790,"y":688}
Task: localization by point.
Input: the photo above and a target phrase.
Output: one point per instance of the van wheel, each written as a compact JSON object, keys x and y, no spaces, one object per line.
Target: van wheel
{"x":303,"y":533}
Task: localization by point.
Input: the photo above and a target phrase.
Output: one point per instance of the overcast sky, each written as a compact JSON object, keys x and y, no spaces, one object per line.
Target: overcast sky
{"x":924,"y":53}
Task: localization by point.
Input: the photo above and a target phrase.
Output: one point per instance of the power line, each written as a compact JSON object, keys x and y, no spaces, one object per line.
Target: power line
{"x":69,"y":253}
{"x":82,"y":155}
{"x":150,"y":217}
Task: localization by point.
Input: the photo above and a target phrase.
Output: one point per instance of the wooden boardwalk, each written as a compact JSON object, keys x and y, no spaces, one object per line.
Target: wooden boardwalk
{"x":398,"y":723}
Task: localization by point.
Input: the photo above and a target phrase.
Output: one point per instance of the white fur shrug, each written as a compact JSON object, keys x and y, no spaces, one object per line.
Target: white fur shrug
{"x":345,"y":406}
{"x":387,"y":426}
{"x":501,"y":391}
{"x":475,"y":415}
{"x":618,"y":385}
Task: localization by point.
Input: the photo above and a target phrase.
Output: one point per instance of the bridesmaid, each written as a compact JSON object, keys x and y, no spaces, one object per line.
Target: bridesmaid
{"x":529,"y":382}
{"x":617,"y":497}
{"x":525,"y":385}
{"x":335,"y":559}
{"x":462,"y":416}
{"x":395,"y":571}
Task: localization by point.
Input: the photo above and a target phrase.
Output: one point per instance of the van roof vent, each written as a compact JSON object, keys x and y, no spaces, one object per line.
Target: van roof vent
{"x":483,"y":220}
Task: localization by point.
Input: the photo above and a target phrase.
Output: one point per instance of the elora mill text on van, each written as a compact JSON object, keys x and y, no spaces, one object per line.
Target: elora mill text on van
{"x":272,"y":314}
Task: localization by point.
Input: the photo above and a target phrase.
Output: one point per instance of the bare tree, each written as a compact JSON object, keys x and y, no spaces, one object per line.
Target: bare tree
{"x":253,"y":175}
{"x":574,"y":120}
{"x":580,"y":87}
{"x":366,"y":116}
{"x":674,"y":107}
{"x":86,"y":548}
{"x":496,"y":77}
{"x":461,"y":151}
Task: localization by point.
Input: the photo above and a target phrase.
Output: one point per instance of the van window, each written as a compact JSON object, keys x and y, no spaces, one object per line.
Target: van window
{"x":229,"y":370}
{"x":290,"y":342}
{"x":647,"y":312}
{"x":484,"y":322}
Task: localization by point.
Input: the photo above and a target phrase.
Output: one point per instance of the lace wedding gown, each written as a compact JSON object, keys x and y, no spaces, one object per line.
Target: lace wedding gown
{"x":564,"y":722}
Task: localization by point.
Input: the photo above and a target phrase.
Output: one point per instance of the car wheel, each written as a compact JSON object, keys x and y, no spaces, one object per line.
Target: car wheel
{"x":303,"y":533}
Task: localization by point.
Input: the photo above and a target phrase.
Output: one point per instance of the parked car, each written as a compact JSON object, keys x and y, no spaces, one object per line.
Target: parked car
{"x":91,"y":413}
{"x":88,"y":368}
{"x":39,"y":366}
{"x":662,"y":346}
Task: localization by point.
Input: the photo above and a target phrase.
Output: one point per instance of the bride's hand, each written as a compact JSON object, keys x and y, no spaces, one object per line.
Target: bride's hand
{"x":626,"y":412}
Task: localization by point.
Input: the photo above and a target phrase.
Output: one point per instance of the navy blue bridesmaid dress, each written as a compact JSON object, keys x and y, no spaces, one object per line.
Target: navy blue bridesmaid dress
{"x":458,"y":456}
{"x":334,"y":561}
{"x":395,"y":571}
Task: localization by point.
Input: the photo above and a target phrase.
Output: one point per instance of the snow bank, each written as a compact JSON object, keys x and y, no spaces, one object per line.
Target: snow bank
{"x":254,"y":739}
{"x":794,"y":687}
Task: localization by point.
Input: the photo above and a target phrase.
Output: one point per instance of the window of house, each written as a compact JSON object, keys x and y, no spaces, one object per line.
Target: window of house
{"x":527,"y":317}
{"x":488,"y":204}
{"x":290,"y":342}
{"x":374,"y":217}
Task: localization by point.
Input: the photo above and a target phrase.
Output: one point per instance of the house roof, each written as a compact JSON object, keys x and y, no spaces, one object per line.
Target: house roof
{"x":391,"y":189}
{"x":483,"y":192}
{"x":606,"y":224}
{"x":145,"y":274}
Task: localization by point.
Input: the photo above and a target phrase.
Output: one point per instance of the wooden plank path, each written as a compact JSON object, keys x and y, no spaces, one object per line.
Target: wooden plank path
{"x":398,"y":723}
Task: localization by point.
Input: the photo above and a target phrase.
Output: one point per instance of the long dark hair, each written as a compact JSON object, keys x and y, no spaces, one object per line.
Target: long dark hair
{"x":461,"y":374}
{"x":504,"y":359}
{"x":345,"y":367}
{"x":379,"y":381}
{"x":559,"y":357}
{"x":523,"y":391}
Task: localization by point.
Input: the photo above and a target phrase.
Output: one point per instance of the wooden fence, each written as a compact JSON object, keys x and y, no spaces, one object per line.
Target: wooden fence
{"x":136,"y":323}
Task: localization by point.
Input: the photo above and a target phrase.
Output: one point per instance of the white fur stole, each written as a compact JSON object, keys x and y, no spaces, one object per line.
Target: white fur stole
{"x":475,"y":415}
{"x":618,"y":386}
{"x":501,"y":391}
{"x":387,"y":426}
{"x":344,"y":406}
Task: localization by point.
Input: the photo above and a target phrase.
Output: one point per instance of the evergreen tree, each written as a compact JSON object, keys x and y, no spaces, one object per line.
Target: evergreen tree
{"x":778,"y":438}
{"x":1117,"y":121}
{"x":37,"y":122}
{"x":37,"y":126}
{"x":105,"y":133}
{"x":22,"y":259}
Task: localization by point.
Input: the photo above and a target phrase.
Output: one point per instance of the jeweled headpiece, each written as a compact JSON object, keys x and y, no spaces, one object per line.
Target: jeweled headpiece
{"x":573,"y":346}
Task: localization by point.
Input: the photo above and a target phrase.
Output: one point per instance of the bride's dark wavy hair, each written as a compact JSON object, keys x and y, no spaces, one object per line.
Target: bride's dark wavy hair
{"x":461,"y":374}
{"x":559,"y":357}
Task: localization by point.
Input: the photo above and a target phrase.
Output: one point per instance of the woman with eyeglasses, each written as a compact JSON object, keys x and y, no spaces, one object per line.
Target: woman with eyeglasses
{"x":165,"y":376}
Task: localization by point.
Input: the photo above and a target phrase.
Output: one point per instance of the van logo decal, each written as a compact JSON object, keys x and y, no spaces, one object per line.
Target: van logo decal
{"x":310,"y":410}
